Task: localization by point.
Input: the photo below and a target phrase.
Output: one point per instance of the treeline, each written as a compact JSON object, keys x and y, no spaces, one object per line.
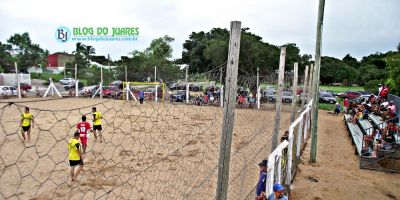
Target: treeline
{"x":204,"y":51}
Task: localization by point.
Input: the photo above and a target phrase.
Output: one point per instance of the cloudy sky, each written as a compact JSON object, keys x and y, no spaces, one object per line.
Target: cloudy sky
{"x":358,"y":27}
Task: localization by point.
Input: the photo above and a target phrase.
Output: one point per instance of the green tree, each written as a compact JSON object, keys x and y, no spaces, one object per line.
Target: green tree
{"x":5,"y":56}
{"x":28,"y":53}
{"x":393,"y":69}
{"x":141,"y":63}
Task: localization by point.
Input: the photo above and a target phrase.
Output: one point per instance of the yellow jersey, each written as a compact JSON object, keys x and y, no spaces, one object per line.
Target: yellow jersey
{"x":26,"y":119}
{"x":97,"y":118}
{"x":73,"y":148}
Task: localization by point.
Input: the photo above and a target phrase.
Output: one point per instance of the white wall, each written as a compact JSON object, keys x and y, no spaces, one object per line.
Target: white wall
{"x":11,"y":79}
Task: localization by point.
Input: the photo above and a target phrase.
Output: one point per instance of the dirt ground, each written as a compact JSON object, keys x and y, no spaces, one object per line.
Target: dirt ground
{"x":152,"y":151}
{"x":337,"y":175}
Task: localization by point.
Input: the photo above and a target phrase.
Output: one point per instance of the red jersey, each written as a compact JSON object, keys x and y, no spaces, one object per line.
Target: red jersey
{"x":346,"y":103}
{"x":83,"y":128}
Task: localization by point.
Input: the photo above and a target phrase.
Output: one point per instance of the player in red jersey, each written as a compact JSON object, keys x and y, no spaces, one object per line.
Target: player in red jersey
{"x":83,"y":128}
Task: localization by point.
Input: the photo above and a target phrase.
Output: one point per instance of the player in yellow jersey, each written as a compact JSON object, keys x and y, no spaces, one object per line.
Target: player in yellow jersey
{"x":26,"y":124}
{"x":75,"y":156}
{"x":97,"y":116}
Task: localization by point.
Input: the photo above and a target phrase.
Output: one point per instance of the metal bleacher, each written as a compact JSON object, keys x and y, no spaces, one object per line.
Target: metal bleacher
{"x":355,"y":132}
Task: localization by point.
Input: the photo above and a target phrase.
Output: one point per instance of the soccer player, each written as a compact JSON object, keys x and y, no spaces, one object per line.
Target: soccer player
{"x":75,"y":156}
{"x":97,"y":124}
{"x":83,"y":128}
{"x":26,"y":124}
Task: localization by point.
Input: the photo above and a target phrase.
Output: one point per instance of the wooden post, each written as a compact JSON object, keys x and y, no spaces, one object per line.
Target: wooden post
{"x":309,"y":95}
{"x":281,"y":76}
{"x":314,"y":127}
{"x":155,"y":80}
{"x":305,"y":84}
{"x":76,"y":71}
{"x":126,"y":74}
{"x":101,"y":81}
{"x":65,"y":71}
{"x":294,"y":97}
{"x":18,"y":83}
{"x":258,"y":89}
{"x":220,"y":75}
{"x":187,"y":84}
{"x":229,"y":111}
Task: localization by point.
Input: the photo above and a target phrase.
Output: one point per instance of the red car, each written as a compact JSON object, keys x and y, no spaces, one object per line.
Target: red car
{"x":25,"y":86}
{"x":350,"y":95}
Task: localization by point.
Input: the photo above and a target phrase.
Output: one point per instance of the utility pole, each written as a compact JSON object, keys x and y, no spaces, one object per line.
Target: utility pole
{"x":314,"y":128}
{"x":281,"y":76}
{"x":229,"y":111}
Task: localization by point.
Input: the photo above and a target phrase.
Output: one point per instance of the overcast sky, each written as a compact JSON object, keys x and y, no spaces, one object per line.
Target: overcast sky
{"x":358,"y":27}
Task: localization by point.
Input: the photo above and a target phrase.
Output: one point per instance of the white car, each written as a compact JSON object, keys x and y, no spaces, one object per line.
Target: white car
{"x":8,"y":90}
{"x":88,"y":90}
{"x":67,"y":81}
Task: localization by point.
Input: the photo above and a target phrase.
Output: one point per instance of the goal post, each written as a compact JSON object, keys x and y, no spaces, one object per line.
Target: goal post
{"x":131,"y":88}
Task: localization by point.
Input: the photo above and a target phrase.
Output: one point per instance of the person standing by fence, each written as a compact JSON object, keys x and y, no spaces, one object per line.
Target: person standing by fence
{"x":278,"y":193}
{"x":260,"y":192}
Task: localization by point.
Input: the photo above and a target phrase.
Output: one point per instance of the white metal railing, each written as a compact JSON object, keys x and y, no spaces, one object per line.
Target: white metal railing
{"x":274,"y":168}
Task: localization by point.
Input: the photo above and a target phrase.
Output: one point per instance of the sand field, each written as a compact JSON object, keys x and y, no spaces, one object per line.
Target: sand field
{"x":152,"y":151}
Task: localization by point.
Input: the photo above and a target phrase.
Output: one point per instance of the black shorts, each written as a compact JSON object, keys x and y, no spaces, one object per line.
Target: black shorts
{"x":73,"y":163}
{"x":26,"y":128}
{"x":97,"y":127}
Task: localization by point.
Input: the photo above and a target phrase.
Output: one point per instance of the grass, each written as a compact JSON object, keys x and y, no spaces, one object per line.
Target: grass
{"x":341,"y":89}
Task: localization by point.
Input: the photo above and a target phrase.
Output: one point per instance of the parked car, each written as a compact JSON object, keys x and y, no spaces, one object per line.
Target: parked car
{"x":8,"y":90}
{"x":179,"y":96}
{"x":89,"y":90}
{"x":287,"y":96}
{"x":72,"y":85}
{"x":269,"y":96}
{"x":350,"y":95}
{"x":327,"y":97}
{"x":67,"y":81}
{"x":117,"y":83}
{"x":25,"y":86}
{"x":194,"y":87}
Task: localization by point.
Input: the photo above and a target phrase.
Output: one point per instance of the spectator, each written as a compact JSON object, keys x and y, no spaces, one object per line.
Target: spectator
{"x":357,"y":116}
{"x":241,"y":101}
{"x":392,"y":106}
{"x":37,"y":91}
{"x":260,"y":190}
{"x":345,"y":105}
{"x":337,"y":108}
{"x":384,"y":92}
{"x":141,"y":96}
{"x":390,"y":131}
{"x":285,"y":136}
{"x":278,"y":193}
{"x":368,"y":139}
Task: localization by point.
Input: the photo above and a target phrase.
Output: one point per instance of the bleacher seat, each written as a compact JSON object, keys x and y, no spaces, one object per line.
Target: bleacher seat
{"x":355,"y":133}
